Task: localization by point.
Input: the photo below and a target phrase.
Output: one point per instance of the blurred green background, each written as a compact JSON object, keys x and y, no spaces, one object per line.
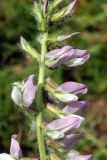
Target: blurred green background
{"x":90,"y":19}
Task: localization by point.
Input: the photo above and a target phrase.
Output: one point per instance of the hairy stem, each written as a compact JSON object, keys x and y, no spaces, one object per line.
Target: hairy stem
{"x":40,"y":103}
{"x":40,"y":137}
{"x":43,"y":52}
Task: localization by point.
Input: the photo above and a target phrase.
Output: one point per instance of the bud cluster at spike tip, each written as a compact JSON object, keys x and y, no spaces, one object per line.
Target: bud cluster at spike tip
{"x":65,"y":11}
{"x":23,"y":93}
{"x":15,"y":150}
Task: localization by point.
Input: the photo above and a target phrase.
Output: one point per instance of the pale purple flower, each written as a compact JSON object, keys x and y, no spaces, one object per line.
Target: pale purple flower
{"x":67,"y":55}
{"x":15,"y":150}
{"x":23,"y":93}
{"x":75,"y":106}
{"x":72,"y":87}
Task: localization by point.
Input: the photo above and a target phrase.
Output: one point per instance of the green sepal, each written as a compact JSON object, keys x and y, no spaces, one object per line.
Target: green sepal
{"x":59,"y":15}
{"x":54,"y":5}
{"x":28,"y":49}
{"x":37,"y":12}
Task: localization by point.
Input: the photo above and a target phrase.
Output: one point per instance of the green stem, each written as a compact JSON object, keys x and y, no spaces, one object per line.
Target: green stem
{"x":43,"y":52}
{"x":40,"y":102}
{"x":40,"y":137}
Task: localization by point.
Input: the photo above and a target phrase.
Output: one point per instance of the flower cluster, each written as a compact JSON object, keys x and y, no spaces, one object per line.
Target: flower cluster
{"x":61,"y":130}
{"x":56,"y":105}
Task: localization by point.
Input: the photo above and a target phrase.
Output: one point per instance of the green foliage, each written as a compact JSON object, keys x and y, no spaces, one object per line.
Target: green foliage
{"x":15,"y":21}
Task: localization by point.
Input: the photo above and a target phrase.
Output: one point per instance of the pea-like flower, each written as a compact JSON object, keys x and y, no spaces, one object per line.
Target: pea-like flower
{"x":69,"y":91}
{"x":23,"y":93}
{"x":67,"y":56}
{"x":15,"y":150}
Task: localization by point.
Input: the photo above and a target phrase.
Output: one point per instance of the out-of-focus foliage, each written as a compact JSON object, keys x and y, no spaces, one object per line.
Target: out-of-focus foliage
{"x":90,"y":18}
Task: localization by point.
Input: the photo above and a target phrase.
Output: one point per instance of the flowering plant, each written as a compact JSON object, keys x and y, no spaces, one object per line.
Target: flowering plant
{"x":55,"y":120}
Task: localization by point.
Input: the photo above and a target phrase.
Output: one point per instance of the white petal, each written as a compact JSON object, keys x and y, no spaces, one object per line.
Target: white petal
{"x":16,"y":95}
{"x":75,"y":62}
{"x":5,"y":156}
{"x":66,"y":97}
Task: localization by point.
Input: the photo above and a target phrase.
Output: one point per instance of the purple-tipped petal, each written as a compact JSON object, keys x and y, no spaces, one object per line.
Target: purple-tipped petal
{"x":65,"y":37}
{"x":45,"y":6}
{"x":69,"y":129}
{"x":71,"y":7}
{"x":78,"y":53}
{"x":72,"y":87}
{"x":29,"y":91}
{"x":81,"y":157}
{"x":79,"y":57}
{"x":52,"y":53}
{"x":74,"y":107}
{"x":70,"y":140}
{"x":15,"y":150}
{"x":59,"y":58}
{"x":58,"y":52}
{"x":63,"y":123}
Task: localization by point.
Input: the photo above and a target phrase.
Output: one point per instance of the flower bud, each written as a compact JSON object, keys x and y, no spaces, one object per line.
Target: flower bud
{"x":37,"y":12}
{"x":64,"y":12}
{"x":65,"y":37}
